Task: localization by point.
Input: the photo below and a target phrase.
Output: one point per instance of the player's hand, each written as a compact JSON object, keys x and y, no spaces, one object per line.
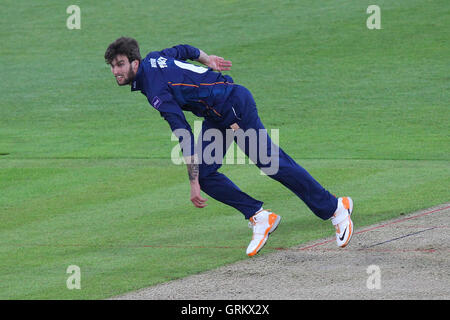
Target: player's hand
{"x":218,"y":63}
{"x":196,"y":197}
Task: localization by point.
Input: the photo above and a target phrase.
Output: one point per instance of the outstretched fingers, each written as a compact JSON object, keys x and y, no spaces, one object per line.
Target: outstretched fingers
{"x":219,"y":63}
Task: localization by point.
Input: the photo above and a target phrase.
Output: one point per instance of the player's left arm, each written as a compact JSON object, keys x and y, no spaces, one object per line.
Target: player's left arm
{"x":187,"y":52}
{"x":214,"y":62}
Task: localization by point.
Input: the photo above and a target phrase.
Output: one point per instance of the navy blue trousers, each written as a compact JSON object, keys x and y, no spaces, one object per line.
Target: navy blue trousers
{"x":281,"y":166}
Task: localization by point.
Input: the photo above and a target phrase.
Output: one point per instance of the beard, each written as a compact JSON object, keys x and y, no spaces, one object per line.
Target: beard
{"x":128,"y":78}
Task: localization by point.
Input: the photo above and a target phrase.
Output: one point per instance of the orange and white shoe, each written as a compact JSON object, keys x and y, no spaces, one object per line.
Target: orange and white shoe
{"x":263,"y":224}
{"x":342,"y":221}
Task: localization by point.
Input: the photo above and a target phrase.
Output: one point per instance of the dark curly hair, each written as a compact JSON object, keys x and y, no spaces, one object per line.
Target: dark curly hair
{"x":125,"y":46}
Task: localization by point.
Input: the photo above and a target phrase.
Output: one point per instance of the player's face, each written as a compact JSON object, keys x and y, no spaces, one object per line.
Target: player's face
{"x":122,"y":70}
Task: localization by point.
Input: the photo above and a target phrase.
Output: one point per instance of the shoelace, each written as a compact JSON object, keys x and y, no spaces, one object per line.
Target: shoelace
{"x":252,"y":225}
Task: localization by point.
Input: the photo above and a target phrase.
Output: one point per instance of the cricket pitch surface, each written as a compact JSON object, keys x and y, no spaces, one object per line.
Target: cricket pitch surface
{"x":404,"y":258}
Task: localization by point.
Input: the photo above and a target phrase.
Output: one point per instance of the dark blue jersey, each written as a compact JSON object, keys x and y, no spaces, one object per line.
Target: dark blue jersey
{"x":172,"y":86}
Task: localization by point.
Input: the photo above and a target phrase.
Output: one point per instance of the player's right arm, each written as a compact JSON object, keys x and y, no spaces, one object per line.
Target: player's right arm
{"x":193,"y":173}
{"x":183,"y":132}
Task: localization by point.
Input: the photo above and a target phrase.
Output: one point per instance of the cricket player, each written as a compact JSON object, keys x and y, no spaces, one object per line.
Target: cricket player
{"x":174,"y":86}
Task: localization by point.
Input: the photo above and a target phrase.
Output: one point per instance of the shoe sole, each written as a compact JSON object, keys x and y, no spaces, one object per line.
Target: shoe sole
{"x":263,"y":241}
{"x":349,"y":203}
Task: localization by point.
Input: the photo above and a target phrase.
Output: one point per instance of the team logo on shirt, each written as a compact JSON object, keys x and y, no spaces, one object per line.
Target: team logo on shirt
{"x":156,"y":102}
{"x":161,"y":62}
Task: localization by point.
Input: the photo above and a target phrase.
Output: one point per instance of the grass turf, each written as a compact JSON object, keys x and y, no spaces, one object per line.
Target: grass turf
{"x":87,"y":180}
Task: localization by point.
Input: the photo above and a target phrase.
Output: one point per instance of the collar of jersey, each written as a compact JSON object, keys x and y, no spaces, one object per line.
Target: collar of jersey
{"x":137,"y":82}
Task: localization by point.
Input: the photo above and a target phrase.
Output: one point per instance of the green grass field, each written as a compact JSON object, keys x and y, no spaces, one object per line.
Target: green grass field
{"x":85,"y":171}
